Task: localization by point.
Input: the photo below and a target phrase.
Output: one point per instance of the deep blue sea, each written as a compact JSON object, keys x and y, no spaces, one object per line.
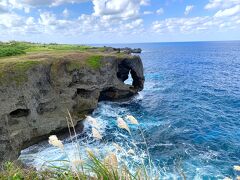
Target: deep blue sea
{"x":189,"y":111}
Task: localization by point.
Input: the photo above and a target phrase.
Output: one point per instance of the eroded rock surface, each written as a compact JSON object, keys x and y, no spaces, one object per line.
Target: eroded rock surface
{"x":37,"y":107}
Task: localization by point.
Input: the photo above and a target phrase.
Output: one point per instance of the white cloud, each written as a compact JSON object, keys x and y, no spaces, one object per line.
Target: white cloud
{"x":145,"y":2}
{"x":160,"y":11}
{"x":134,"y":24}
{"x":228,"y":12}
{"x":50,"y":24}
{"x":26,"y":10}
{"x":124,"y":9}
{"x":15,"y":4}
{"x":2,"y":10}
{"x":89,"y":23}
{"x":220,"y":4}
{"x":21,"y":4}
{"x":147,"y":12}
{"x":110,"y":18}
{"x":30,"y":21}
{"x":113,"y":17}
{"x":65,"y":13}
{"x":13,"y":24}
{"x":3,"y":7}
{"x":9,"y":20}
{"x":195,"y":24}
{"x":36,"y":3}
{"x":47,"y":18}
{"x":179,"y":24}
{"x":188,"y":9}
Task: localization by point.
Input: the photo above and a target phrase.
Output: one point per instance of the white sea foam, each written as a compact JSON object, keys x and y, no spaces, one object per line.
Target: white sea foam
{"x":39,"y":155}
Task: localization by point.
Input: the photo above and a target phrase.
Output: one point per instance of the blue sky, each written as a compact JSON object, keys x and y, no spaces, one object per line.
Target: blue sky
{"x":119,"y":21}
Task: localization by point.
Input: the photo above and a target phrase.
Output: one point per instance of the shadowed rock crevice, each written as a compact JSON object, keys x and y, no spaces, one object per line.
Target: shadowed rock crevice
{"x":45,"y":107}
{"x":19,"y":113}
{"x":84,"y":93}
{"x":111,"y":94}
{"x":135,"y":69}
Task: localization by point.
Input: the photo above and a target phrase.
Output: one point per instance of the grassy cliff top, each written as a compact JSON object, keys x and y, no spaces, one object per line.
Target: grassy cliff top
{"x":14,"y":48}
{"x":16,"y":58}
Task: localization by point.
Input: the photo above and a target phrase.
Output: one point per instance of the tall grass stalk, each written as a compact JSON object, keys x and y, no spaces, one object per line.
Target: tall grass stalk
{"x":75,"y":135}
{"x":109,"y":167}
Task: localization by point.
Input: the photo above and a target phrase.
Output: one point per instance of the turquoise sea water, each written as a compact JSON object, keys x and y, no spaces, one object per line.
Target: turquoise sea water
{"x":189,"y":110}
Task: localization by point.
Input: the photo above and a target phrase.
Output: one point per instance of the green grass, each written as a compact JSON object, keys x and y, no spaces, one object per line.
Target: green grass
{"x":73,"y":65}
{"x":57,"y":47}
{"x":10,"y":51}
{"x":17,"y":58}
{"x":14,"y":48}
{"x":94,"y":61}
{"x":94,"y":170}
{"x":16,"y":71}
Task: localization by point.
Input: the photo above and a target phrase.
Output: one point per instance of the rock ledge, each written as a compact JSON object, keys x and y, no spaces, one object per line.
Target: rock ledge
{"x":34,"y":106}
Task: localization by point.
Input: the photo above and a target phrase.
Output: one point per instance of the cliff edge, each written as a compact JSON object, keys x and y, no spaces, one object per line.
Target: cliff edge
{"x":36,"y":89}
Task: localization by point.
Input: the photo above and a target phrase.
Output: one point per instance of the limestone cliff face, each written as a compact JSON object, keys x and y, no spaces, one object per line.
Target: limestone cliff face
{"x":36,"y":107}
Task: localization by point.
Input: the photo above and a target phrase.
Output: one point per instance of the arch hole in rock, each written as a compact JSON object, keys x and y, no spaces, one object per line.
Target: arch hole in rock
{"x":129,"y":80}
{"x":19,"y":113}
{"x":124,"y":73}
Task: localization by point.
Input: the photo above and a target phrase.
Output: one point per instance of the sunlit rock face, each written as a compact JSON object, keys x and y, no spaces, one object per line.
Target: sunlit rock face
{"x":37,"y":106}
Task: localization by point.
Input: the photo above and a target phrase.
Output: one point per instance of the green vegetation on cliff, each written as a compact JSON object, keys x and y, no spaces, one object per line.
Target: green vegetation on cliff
{"x":16,"y":71}
{"x":94,"y":61}
{"x":17,"y":58}
{"x":14,"y":48}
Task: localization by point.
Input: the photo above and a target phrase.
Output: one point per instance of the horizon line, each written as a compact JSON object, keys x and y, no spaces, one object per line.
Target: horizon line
{"x":147,"y":42}
{"x":152,"y":42}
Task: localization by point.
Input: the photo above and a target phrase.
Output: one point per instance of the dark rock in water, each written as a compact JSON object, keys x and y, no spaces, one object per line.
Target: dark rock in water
{"x":35,"y":108}
{"x":137,"y":50}
{"x":126,"y":50}
{"x":130,"y":50}
{"x":111,"y":49}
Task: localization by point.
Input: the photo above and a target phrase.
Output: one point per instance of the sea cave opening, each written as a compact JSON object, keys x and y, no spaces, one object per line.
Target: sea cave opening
{"x":125,"y":73}
{"x":129,"y":80}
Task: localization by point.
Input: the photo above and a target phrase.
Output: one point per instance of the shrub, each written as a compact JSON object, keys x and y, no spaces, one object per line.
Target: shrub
{"x":10,"y":51}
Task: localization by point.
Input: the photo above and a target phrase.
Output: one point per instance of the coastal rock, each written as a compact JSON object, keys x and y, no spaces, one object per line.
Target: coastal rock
{"x":36,"y":105}
{"x":125,"y":50}
{"x":130,"y":50}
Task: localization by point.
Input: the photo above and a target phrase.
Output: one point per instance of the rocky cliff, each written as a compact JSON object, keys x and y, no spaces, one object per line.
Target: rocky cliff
{"x":37,"y":89}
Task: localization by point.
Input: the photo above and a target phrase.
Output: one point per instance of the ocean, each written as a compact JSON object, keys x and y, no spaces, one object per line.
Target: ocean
{"x":189,"y":112}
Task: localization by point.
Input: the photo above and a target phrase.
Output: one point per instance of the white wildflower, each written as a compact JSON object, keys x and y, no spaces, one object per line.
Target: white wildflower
{"x":96,"y":134}
{"x":130,"y":151}
{"x":111,"y":161}
{"x":77,"y":162}
{"x":53,"y":140}
{"x":93,"y":121}
{"x":227,"y":178}
{"x":118,"y":148}
{"x":132,"y":119}
{"x":122,"y":124}
{"x":236,"y":168}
